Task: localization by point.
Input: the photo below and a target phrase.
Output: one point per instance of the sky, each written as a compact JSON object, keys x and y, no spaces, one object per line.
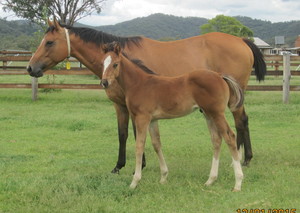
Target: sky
{"x":116,"y":11}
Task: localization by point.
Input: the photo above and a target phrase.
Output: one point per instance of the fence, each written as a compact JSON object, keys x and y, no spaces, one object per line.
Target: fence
{"x":14,"y":63}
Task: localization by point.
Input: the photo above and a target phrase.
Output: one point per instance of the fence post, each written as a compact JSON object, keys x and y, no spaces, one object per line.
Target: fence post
{"x":34,"y":87}
{"x":286,"y":77}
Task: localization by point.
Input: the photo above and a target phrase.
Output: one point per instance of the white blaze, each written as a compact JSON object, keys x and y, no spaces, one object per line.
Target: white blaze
{"x":107,"y":62}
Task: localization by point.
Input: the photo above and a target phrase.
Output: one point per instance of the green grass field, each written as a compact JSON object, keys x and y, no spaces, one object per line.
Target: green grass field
{"x":56,"y":155}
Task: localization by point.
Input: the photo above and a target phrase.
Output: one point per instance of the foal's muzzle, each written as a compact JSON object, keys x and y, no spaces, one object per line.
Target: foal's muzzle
{"x":104,"y":83}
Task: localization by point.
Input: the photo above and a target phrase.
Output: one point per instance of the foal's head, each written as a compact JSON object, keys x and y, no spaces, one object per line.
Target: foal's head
{"x":111,"y":63}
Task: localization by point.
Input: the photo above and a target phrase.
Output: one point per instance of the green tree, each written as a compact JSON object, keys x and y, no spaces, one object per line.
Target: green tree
{"x":67,"y":11}
{"x":226,"y":24}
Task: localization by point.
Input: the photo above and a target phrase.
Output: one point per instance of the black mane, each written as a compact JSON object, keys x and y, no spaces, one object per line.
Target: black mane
{"x":140,"y":64}
{"x":99,"y":37}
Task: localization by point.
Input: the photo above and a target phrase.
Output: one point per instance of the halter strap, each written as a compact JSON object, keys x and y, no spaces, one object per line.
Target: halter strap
{"x":68,"y":42}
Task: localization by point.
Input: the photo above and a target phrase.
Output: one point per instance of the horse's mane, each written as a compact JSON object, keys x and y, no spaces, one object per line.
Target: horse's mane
{"x":99,"y":37}
{"x":140,"y":64}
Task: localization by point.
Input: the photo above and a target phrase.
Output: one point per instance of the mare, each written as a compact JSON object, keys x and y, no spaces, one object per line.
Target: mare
{"x":151,"y":97}
{"x":220,"y":52}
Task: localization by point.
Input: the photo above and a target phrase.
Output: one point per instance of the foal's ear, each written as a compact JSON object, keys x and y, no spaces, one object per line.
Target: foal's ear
{"x":117,"y":48}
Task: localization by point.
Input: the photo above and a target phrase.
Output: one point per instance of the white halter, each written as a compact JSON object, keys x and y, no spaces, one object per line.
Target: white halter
{"x":68,"y":42}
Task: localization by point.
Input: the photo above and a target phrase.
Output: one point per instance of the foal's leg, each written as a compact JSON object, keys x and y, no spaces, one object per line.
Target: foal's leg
{"x":243,"y":134}
{"x":155,"y":139}
{"x":144,"y":157}
{"x":216,"y":140}
{"x":142,"y":124}
{"x":229,"y":137}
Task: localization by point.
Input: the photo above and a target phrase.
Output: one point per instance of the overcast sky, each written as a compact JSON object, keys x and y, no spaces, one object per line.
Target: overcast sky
{"x":116,"y":11}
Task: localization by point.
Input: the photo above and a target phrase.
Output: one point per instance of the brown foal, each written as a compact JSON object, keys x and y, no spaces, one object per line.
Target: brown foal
{"x":150,"y":97}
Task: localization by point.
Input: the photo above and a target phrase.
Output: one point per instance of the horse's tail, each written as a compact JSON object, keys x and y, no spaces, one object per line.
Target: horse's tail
{"x":259,"y":62}
{"x":236,"y":99}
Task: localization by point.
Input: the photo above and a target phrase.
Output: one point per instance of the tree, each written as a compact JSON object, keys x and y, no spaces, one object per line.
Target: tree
{"x":226,"y":24}
{"x":67,"y":11}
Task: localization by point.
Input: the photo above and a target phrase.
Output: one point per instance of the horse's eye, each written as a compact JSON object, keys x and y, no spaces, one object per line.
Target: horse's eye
{"x":115,"y":65}
{"x":49,"y":43}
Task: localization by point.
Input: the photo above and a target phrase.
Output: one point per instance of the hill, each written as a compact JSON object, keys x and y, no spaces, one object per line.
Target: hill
{"x":17,"y":34}
{"x":158,"y":26}
{"x":267,"y":30}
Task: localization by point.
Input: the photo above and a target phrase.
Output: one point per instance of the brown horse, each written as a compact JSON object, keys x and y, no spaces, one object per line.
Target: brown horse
{"x":150,"y":97}
{"x":221,"y":52}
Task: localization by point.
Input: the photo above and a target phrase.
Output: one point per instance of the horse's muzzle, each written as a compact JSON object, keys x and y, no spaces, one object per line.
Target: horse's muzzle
{"x":34,"y":73}
{"x":104,"y":83}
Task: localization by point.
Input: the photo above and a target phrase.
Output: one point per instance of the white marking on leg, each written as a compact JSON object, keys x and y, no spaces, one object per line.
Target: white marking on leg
{"x":107,"y":62}
{"x":213,"y":172}
{"x":240,"y":154}
{"x":163,"y":167}
{"x":238,"y":174}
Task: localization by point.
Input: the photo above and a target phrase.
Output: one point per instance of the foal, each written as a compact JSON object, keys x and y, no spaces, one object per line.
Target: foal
{"x":150,"y":97}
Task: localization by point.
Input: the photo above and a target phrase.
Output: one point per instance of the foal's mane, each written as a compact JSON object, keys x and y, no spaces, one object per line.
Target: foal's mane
{"x":99,"y":37}
{"x":140,"y":64}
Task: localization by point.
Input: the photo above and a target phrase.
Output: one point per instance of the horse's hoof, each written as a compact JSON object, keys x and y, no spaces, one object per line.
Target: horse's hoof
{"x":246,"y":163}
{"x":115,"y":170}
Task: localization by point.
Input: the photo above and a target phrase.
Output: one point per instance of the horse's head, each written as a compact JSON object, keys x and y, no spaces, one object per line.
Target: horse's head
{"x":111,"y":63}
{"x":54,"y":48}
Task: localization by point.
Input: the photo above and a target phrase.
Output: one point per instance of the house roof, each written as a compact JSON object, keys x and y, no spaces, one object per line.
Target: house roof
{"x":261,"y":44}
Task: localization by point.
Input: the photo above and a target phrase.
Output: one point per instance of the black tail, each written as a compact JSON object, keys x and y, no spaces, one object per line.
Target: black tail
{"x":259,"y":62}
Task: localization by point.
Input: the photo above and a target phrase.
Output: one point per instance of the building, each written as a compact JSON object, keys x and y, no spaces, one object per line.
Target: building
{"x":264,"y":47}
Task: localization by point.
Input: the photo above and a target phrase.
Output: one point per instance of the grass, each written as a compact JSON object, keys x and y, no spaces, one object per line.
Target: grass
{"x":56,"y":155}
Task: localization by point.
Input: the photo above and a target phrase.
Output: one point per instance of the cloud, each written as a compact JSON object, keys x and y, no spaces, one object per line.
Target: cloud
{"x":116,"y":11}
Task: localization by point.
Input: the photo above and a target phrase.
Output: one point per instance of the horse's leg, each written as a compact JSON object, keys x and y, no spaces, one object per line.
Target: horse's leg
{"x":226,"y":132}
{"x":243,"y":134}
{"x":142,"y":124}
{"x":123,"y":120}
{"x":155,"y":139}
{"x":216,"y":142}
{"x":144,"y":157}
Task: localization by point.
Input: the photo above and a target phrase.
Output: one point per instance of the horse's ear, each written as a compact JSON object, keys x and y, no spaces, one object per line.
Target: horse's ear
{"x":117,"y":48}
{"x":50,"y":23}
{"x":56,"y":24}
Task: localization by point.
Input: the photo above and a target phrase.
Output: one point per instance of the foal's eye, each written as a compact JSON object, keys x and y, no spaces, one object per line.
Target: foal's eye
{"x":49,"y":43}
{"x":115,"y":65}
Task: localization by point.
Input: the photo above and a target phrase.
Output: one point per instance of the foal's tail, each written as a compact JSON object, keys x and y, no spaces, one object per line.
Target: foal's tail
{"x":236,"y":99}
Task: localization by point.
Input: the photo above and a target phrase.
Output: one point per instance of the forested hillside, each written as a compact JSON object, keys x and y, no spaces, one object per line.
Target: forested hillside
{"x":21,"y":34}
{"x":16,"y":34}
{"x":158,"y":26}
{"x":267,"y":30}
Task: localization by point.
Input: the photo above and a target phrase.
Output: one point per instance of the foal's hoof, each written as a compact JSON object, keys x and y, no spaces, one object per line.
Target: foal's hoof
{"x":115,"y":170}
{"x":133,"y":185}
{"x":210,"y":181}
{"x":163,"y":181}
{"x":236,"y":190}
